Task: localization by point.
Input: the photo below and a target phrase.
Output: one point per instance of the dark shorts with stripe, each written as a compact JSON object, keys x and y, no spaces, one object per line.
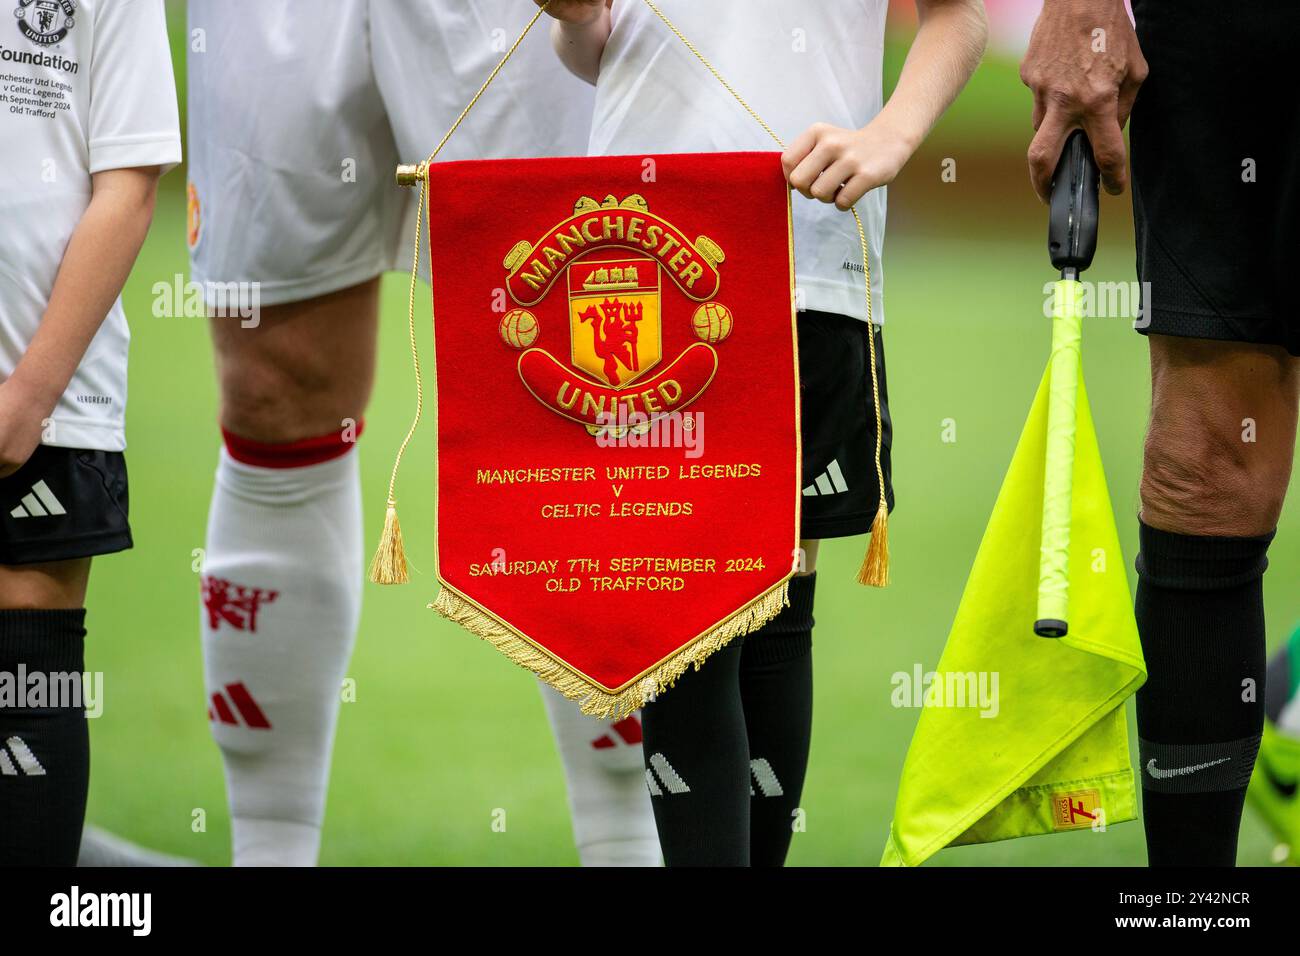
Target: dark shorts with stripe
{"x":64,"y":503}
{"x":840,"y":489}
{"x":1215,"y":138}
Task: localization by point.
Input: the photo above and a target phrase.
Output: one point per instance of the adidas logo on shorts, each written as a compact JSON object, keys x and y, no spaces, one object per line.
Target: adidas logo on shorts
{"x":829,"y":482}
{"x":17,"y":760}
{"x":40,"y":502}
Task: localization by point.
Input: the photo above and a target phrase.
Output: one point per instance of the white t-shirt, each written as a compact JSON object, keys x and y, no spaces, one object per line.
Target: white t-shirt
{"x":85,"y":86}
{"x":795,"y":63}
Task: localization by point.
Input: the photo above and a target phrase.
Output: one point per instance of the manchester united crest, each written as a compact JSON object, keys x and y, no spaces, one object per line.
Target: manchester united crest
{"x":625,"y":272}
{"x":45,"y":22}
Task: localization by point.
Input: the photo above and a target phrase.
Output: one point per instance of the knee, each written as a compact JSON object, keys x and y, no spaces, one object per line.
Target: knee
{"x":272,"y":398}
{"x":1209,"y":484}
{"x":252,"y":403}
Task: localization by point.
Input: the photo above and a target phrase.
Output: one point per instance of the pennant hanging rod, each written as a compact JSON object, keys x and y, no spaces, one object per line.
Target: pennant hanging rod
{"x":409,"y":175}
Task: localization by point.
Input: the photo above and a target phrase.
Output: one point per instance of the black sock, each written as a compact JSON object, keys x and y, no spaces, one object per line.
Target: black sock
{"x":697,"y":765}
{"x":1200,"y":611}
{"x":44,"y":751}
{"x":776,"y":687}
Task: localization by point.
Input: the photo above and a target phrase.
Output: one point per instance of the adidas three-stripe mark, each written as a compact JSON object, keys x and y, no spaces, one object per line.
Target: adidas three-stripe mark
{"x":672,"y":780}
{"x":661,"y":771}
{"x":40,"y":502}
{"x":28,"y":765}
{"x":829,"y":482}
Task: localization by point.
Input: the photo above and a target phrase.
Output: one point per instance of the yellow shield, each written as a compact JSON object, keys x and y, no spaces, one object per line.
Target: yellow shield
{"x":614,"y":318}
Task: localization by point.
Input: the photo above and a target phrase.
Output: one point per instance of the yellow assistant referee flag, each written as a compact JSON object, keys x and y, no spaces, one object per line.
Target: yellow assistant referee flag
{"x":1054,"y":755}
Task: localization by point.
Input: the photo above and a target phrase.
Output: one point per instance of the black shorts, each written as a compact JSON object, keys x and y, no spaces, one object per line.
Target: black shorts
{"x":64,"y":503}
{"x":1216,"y":170}
{"x":840,"y":490}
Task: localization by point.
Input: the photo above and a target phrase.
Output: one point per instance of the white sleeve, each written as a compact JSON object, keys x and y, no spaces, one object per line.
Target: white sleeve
{"x":133,"y":115}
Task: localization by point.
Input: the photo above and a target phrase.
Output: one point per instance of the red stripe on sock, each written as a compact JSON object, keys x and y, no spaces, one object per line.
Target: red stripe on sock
{"x":629,"y":728}
{"x":295,"y":454}
{"x":222,"y":708}
{"x":247,"y":707}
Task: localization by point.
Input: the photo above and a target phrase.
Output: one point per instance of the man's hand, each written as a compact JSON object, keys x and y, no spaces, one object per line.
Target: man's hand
{"x":21,"y":418}
{"x":579,"y":12}
{"x":841,"y":166}
{"x":1084,"y":67}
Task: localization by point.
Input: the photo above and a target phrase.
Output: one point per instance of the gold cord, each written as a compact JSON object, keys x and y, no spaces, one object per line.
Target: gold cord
{"x":389,"y":565}
{"x":415,"y":351}
{"x":488,"y":82}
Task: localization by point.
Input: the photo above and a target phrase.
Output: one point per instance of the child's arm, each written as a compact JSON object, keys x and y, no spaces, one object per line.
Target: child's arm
{"x":841,"y":165}
{"x":95,"y":265}
{"x":579,"y":34}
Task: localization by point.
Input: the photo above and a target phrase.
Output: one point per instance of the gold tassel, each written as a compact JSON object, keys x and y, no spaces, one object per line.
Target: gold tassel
{"x":592,"y":700}
{"x":875,"y":565}
{"x":389,"y":564}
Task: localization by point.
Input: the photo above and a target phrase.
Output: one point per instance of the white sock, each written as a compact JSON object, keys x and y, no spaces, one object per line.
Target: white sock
{"x":613,"y":821}
{"x":281,"y":601}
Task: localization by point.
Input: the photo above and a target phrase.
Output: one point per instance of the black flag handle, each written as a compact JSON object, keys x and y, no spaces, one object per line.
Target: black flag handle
{"x":1072,"y":225}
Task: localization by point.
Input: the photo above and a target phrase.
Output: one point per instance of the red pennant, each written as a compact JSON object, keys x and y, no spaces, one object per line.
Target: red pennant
{"x":617,"y":401}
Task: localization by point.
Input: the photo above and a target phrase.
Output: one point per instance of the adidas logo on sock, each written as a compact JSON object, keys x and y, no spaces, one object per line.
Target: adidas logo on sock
{"x":762,"y":773}
{"x":40,"y":502}
{"x":660,"y":776}
{"x":661,"y":771}
{"x":628,"y":730}
{"x":27,"y":764}
{"x":235,"y":697}
{"x":829,"y":482}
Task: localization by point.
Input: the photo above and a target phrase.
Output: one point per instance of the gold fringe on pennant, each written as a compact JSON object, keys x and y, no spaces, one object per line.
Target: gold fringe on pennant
{"x":593,"y":700}
{"x":875,"y":565}
{"x":389,"y":564}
